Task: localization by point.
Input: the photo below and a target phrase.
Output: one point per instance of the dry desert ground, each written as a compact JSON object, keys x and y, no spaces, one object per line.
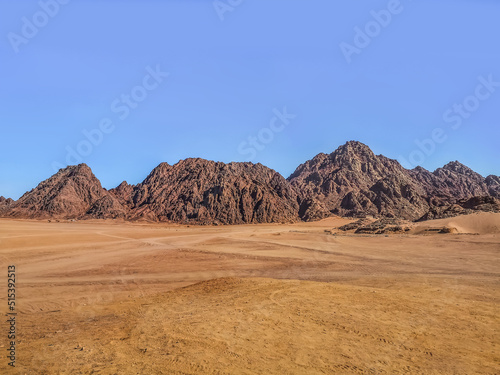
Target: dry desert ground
{"x":108,"y":297}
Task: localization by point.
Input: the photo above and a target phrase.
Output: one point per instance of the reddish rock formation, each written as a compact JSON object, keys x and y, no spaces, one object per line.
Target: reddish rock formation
{"x":454,"y":180}
{"x":193,"y":190}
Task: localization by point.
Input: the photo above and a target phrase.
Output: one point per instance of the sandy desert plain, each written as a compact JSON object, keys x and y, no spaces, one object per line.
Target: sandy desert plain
{"x":109,"y":297}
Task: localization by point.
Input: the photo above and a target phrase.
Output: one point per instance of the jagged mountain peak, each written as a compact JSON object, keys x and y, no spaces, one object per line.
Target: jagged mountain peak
{"x":80,"y":169}
{"x":352,"y":153}
{"x":354,"y":147}
{"x":456,"y":166}
{"x":123,"y":184}
{"x":420,"y":169}
{"x":161,"y":167}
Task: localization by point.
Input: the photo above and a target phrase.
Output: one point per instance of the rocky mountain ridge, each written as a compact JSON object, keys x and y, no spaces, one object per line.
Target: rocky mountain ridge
{"x":351,"y":181}
{"x":193,"y":190}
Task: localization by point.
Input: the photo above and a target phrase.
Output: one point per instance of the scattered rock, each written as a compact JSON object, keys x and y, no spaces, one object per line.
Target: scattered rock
{"x":448,"y":230}
{"x":354,"y":225}
{"x":383,"y":226}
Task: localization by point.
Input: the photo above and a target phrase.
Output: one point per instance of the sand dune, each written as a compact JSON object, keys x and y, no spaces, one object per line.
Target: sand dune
{"x":480,"y":223}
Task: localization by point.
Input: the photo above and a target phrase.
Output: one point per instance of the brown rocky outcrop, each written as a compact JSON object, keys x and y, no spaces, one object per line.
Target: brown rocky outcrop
{"x":383,"y":226}
{"x":454,"y":180}
{"x":124,"y":193}
{"x":193,"y":190}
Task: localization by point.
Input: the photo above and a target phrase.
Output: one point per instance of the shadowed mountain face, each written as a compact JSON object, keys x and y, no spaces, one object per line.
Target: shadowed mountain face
{"x":351,"y":181}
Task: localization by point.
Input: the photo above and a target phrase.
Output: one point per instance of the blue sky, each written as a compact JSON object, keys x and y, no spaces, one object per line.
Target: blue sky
{"x":423,"y":72}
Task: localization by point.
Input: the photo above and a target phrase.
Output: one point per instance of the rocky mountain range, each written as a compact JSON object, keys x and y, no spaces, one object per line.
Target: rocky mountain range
{"x":351,"y":181}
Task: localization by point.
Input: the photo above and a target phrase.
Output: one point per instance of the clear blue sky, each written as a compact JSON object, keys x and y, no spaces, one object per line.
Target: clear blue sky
{"x":227,"y":78}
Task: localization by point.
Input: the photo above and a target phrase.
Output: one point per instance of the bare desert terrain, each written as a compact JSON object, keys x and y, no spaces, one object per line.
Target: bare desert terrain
{"x":110,"y":297}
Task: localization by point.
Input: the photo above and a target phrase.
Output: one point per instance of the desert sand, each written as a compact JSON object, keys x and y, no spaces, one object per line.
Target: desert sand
{"x":110,"y":297}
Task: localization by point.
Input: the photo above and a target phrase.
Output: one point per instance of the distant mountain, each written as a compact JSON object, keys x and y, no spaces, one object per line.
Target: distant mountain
{"x":351,"y":181}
